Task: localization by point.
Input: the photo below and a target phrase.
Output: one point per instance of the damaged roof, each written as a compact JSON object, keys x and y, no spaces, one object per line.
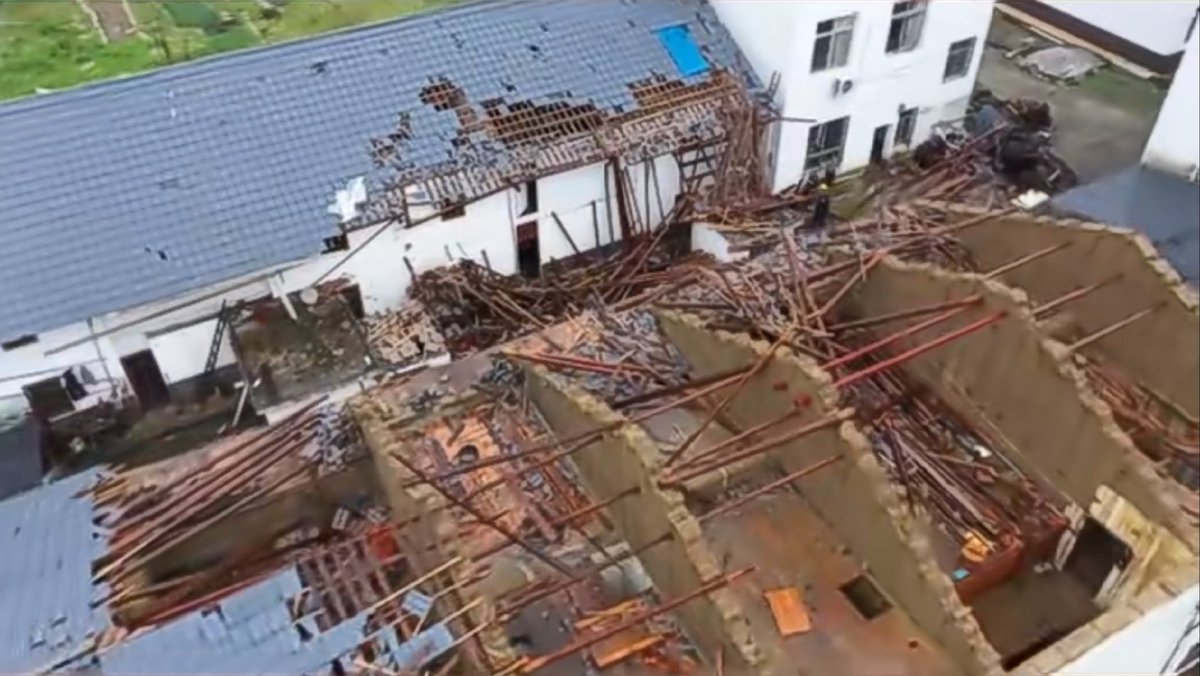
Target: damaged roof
{"x":143,"y":188}
{"x":1163,"y":206}
{"x":46,"y":590}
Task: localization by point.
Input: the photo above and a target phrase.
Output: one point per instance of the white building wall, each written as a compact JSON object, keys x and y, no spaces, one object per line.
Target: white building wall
{"x":883,"y":83}
{"x":1156,"y":643}
{"x":1174,"y":144}
{"x":180,"y":338}
{"x":1158,"y":25}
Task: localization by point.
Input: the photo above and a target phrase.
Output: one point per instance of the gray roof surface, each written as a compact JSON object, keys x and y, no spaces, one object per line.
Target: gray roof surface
{"x":1163,"y":206}
{"x":46,"y":552}
{"x":133,"y":190}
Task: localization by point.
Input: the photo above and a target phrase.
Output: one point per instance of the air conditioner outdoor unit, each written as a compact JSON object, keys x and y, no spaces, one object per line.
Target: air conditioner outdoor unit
{"x":841,"y":86}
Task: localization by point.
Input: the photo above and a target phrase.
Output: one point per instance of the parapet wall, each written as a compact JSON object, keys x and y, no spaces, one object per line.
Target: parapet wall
{"x":626,"y":458}
{"x":1022,"y":387}
{"x":854,"y":496}
{"x":1161,"y":350}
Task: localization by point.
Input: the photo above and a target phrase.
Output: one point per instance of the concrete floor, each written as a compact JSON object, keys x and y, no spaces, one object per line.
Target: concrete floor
{"x":793,"y":547}
{"x":1031,"y":608}
{"x":1101,"y":125}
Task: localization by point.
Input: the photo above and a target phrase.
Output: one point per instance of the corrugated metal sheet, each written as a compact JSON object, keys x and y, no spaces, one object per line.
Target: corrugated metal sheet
{"x":46,"y":550}
{"x":124,"y":192}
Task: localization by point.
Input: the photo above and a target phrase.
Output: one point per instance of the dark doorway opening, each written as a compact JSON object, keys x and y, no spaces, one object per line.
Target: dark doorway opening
{"x":529,"y":257}
{"x":865,"y":597}
{"x":146,"y":379}
{"x":879,"y":143}
{"x":1096,"y":552}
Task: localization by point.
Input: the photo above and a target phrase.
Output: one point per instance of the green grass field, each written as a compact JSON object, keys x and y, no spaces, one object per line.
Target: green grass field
{"x":53,"y":44}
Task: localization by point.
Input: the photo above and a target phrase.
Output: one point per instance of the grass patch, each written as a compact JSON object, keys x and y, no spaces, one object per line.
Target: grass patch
{"x":192,"y":14}
{"x":1117,"y":87}
{"x":52,"y":44}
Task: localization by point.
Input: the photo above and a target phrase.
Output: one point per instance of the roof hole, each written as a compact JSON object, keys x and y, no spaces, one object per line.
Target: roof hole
{"x":535,"y":49}
{"x":467,"y":455}
{"x":866,"y":598}
{"x":544,"y":26}
{"x":320,"y":67}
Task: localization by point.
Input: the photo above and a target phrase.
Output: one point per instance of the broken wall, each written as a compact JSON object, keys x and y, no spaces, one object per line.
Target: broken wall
{"x":854,"y":496}
{"x":626,"y":458}
{"x":1024,"y":391}
{"x":1095,"y":253}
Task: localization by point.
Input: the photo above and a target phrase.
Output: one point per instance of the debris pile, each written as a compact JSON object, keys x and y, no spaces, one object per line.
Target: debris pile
{"x":475,"y":308}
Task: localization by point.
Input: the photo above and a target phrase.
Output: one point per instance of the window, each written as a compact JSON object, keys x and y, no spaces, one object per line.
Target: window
{"x":906,"y":126}
{"x":336,"y":243}
{"x":19,"y":341}
{"x":832,"y":48}
{"x":958,"y":60}
{"x":908,"y":17}
{"x":825,"y":142}
{"x":453,"y":210}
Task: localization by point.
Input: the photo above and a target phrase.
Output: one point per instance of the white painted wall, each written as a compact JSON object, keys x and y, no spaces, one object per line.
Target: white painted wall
{"x":1174,"y":144}
{"x":1157,"y":25}
{"x":180,"y":339}
{"x":883,"y":83}
{"x":1155,"y":643}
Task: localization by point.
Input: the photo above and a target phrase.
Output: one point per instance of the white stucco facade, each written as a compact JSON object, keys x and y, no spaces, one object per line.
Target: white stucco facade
{"x":1174,"y":144}
{"x":180,"y":338}
{"x":1160,"y":26}
{"x":1156,"y":643}
{"x":779,"y":36}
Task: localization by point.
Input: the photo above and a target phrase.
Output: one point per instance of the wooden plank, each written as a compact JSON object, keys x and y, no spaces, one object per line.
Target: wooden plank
{"x":623,"y":646}
{"x":791,"y":616}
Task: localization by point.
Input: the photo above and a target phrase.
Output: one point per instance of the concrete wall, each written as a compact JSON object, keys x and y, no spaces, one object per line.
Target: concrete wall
{"x":1160,"y":27}
{"x":778,"y":36}
{"x":1095,"y":253}
{"x":1022,"y":388}
{"x":854,"y":496}
{"x":626,"y":458}
{"x":1174,"y":144}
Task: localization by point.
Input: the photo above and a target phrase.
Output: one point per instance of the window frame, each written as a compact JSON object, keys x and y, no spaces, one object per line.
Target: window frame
{"x":951,"y":52}
{"x":916,"y":11}
{"x":818,"y":159}
{"x":907,"y":116}
{"x":831,"y":36}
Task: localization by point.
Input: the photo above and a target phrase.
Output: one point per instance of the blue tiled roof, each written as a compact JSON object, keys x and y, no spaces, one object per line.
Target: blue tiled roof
{"x":46,"y":552}
{"x":128,"y":191}
{"x":1163,"y":206}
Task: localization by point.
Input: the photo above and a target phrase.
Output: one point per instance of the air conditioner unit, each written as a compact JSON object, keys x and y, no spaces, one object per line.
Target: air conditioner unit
{"x":841,"y":86}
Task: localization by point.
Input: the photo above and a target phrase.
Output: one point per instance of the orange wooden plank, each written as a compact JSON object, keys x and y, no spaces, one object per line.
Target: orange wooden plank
{"x":625,"y":645}
{"x":791,"y":616}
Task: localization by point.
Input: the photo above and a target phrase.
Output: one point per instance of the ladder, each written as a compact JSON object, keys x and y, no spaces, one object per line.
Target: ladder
{"x":214,"y":349}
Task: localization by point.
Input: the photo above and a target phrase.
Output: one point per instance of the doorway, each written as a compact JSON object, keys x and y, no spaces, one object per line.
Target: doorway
{"x":529,"y":257}
{"x":1097,"y":554}
{"x":141,"y":368}
{"x":879,"y":143}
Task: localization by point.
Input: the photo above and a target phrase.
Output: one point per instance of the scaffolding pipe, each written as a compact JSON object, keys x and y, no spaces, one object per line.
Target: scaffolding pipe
{"x":650,"y":613}
{"x":1024,"y":260}
{"x":585,"y":437}
{"x":682,"y":387}
{"x":1045,"y":309}
{"x":761,"y":447}
{"x":592,"y":509}
{"x":904,"y":314}
{"x":903,"y":333}
{"x":1109,"y":330}
{"x":762,"y":362}
{"x":778,"y":483}
{"x":481,"y":517}
{"x":528,"y":600}
{"x":919,"y":350}
{"x":791,"y":413}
